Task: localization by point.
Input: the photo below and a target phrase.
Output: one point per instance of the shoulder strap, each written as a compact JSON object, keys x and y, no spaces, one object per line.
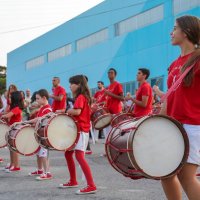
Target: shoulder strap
{"x":173,"y":87}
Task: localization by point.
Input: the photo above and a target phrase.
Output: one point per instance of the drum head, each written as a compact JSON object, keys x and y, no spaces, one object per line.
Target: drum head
{"x":25,"y":142}
{"x":62,"y":132}
{"x":4,"y":128}
{"x":159,"y":146}
{"x":103,"y":121}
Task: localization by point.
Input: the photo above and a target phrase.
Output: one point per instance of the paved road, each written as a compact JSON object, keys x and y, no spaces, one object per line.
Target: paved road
{"x":111,"y":185}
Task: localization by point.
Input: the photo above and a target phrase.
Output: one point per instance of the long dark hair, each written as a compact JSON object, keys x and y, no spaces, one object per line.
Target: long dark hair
{"x":190,"y":25}
{"x":83,"y":87}
{"x":17,"y":100}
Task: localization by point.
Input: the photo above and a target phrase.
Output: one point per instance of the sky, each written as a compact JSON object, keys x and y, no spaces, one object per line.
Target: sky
{"x":23,"y":20}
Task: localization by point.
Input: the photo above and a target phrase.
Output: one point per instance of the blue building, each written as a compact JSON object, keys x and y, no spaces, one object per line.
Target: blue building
{"x":124,"y":34}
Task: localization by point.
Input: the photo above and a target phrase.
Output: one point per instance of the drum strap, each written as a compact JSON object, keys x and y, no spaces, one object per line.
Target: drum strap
{"x":177,"y":83}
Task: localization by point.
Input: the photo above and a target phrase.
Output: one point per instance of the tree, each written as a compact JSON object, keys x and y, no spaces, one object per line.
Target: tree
{"x":2,"y":79}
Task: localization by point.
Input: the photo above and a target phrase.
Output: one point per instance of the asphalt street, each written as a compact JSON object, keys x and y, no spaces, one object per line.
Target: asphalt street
{"x":111,"y":184}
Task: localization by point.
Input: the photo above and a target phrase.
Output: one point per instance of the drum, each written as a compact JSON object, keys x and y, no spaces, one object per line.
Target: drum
{"x":121,"y":117}
{"x":4,"y":128}
{"x":57,"y":132}
{"x":153,"y":147}
{"x":21,"y":139}
{"x":100,"y":117}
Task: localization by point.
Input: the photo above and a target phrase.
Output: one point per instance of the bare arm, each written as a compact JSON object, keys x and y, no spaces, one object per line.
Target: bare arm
{"x":142,"y":103}
{"x":157,"y":91}
{"x":7,"y":116}
{"x":119,"y":97}
{"x":57,"y":98}
{"x":74,"y":112}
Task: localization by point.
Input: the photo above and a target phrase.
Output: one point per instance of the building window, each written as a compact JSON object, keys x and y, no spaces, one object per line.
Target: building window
{"x":183,"y":5}
{"x":35,"y":62}
{"x":159,"y":81}
{"x":93,"y":91}
{"x":138,"y":21}
{"x":59,"y":53}
{"x":129,"y":87}
{"x":92,"y":40}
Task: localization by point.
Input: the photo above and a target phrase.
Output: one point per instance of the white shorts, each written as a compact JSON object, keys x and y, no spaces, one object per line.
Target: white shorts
{"x":42,"y":152}
{"x":193,"y":132}
{"x":82,"y":142}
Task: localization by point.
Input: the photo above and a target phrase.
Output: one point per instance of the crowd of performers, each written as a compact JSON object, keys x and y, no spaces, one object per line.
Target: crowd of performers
{"x":183,"y":104}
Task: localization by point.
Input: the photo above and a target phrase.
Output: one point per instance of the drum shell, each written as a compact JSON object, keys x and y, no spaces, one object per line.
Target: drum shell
{"x":41,"y":137}
{"x":41,"y":133}
{"x":121,"y":117}
{"x":117,"y":153}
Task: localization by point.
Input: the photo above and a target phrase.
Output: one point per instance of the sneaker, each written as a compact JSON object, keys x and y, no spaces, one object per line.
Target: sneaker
{"x":68,"y":185}
{"x":6,"y":167}
{"x":1,"y":160}
{"x":87,"y":190}
{"x":36,"y":173}
{"x":88,"y":152}
{"x":13,"y":169}
{"x":45,"y":176}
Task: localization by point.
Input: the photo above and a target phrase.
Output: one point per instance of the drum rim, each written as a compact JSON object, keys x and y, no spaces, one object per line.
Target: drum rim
{"x":46,"y":131}
{"x":185,"y":139}
{"x":121,"y":114}
{"x":5,"y":123}
{"x":105,"y":109}
{"x":17,"y":132}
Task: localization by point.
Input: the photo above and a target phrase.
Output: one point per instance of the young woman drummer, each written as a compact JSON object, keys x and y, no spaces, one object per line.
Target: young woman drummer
{"x":81,"y":112}
{"x":14,"y":115}
{"x":183,"y":104}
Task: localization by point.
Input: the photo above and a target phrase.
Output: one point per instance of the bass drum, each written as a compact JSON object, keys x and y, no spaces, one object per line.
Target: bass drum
{"x":20,"y":138}
{"x":57,"y":132}
{"x":4,"y":128}
{"x":154,"y":147}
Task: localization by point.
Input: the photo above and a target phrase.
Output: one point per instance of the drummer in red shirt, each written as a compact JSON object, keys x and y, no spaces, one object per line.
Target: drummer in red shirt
{"x":59,"y":96}
{"x":114,"y":94}
{"x":14,"y":116}
{"x":144,"y":97}
{"x":99,"y":96}
{"x":99,"y":99}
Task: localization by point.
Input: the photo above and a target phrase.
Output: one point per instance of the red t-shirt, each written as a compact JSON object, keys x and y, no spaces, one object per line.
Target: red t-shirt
{"x":44,"y":110}
{"x":17,"y":117}
{"x":100,"y":96}
{"x":83,"y":119}
{"x":59,"y":105}
{"x":144,"y":90}
{"x":114,"y":105}
{"x":184,"y":103}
